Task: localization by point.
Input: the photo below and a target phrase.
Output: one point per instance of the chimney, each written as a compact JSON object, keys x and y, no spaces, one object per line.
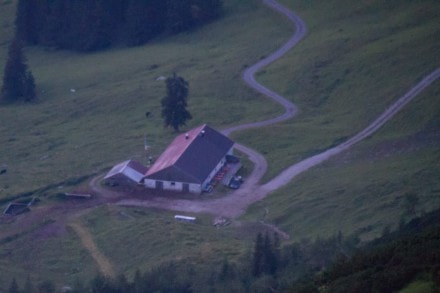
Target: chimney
{"x":186,"y":136}
{"x":202,"y":133}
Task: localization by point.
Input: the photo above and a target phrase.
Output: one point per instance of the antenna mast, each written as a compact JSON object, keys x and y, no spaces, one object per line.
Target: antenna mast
{"x":149,"y":158}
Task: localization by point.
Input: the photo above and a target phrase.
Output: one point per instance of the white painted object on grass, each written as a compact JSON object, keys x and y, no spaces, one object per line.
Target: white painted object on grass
{"x":185,"y":218}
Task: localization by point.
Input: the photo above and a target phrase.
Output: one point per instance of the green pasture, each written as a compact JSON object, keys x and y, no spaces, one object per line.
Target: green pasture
{"x":91,"y":109}
{"x":365,"y":189}
{"x":130,"y":238}
{"x":357,"y":58}
{"x":46,"y":251}
{"x":141,"y":238}
{"x":355,"y":61}
{"x":342,"y":76}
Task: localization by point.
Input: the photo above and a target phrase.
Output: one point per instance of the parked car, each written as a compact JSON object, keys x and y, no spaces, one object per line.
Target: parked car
{"x":234,"y":183}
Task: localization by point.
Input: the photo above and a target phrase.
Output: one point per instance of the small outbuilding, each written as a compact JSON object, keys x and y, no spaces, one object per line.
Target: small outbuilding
{"x":128,"y":172}
{"x":15,"y":209}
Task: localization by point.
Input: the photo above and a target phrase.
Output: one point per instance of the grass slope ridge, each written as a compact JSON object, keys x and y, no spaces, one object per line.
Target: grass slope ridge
{"x":363,"y":189}
{"x":68,"y":134}
{"x":104,"y":122}
{"x":345,"y":73}
{"x":287,"y":175}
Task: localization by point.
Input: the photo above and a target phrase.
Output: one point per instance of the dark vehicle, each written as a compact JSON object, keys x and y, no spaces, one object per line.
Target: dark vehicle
{"x":232,"y":159}
{"x":234,"y":183}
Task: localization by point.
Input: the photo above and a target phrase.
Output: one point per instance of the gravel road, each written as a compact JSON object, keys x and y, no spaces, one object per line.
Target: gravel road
{"x":236,"y":203}
{"x":287,"y":175}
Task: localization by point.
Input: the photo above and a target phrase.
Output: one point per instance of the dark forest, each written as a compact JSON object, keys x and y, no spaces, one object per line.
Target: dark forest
{"x":91,"y":25}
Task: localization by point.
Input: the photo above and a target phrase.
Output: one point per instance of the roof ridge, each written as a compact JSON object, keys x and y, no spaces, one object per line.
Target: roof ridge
{"x":185,"y":151}
{"x":191,"y":140}
{"x":181,"y":151}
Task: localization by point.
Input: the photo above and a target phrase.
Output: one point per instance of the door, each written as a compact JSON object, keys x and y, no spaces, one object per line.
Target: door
{"x":159,"y":185}
{"x":185,"y":187}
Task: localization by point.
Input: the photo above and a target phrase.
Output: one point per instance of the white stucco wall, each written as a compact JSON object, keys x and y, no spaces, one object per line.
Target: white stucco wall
{"x":174,"y":186}
{"x":193,"y":188}
{"x":150,"y":183}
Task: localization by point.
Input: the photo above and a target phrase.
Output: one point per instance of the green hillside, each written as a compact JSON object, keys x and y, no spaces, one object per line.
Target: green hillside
{"x":355,"y":61}
{"x":357,"y":58}
{"x":68,"y":135}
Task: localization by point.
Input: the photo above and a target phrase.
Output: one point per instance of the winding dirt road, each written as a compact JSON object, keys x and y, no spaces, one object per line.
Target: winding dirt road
{"x":287,"y":175}
{"x":237,"y":202}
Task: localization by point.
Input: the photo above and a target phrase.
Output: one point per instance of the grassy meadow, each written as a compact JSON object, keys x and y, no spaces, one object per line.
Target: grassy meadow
{"x":343,"y":83}
{"x":357,"y":58}
{"x":71,"y":134}
{"x":155,"y":237}
{"x":130,"y":238}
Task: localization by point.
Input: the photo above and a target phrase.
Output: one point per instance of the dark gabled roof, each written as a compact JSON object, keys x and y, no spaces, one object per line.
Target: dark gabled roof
{"x":191,"y":157}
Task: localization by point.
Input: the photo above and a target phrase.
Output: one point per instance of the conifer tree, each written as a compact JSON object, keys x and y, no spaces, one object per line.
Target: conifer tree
{"x":265,"y":259}
{"x":46,"y":287}
{"x":179,"y":16}
{"x":135,"y":16}
{"x":25,"y":21}
{"x":18,"y":81}
{"x":29,"y":88}
{"x":205,"y":10}
{"x":258,"y":257}
{"x":174,"y":104}
{"x":28,"y":286}
{"x":13,"y":287}
{"x":270,"y":260}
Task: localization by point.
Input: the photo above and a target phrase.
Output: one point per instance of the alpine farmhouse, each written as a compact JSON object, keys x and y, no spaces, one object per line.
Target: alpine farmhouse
{"x":190,"y":162}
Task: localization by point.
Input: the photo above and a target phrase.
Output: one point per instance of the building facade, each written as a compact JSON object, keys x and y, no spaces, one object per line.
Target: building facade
{"x":190,"y":162}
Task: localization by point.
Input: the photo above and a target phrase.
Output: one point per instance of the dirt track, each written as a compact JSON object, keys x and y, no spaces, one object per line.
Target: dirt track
{"x":237,"y":202}
{"x":101,"y":260}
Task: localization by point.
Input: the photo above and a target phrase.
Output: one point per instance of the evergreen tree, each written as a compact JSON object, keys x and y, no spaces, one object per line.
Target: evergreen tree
{"x":174,"y":104}
{"x":94,"y":27}
{"x":144,"y":20}
{"x":205,"y":10}
{"x":46,"y":287}
{"x":13,"y":288}
{"x":270,"y":260}
{"x":25,"y":22}
{"x":28,"y":286}
{"x":101,"y":284}
{"x":52,"y":17}
{"x":18,"y":82}
{"x":138,"y":282}
{"x":266,"y":255}
{"x":225,"y":270}
{"x":179,"y":16}
{"x":29,"y":87}
{"x":122,"y":285}
{"x":258,"y":256}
